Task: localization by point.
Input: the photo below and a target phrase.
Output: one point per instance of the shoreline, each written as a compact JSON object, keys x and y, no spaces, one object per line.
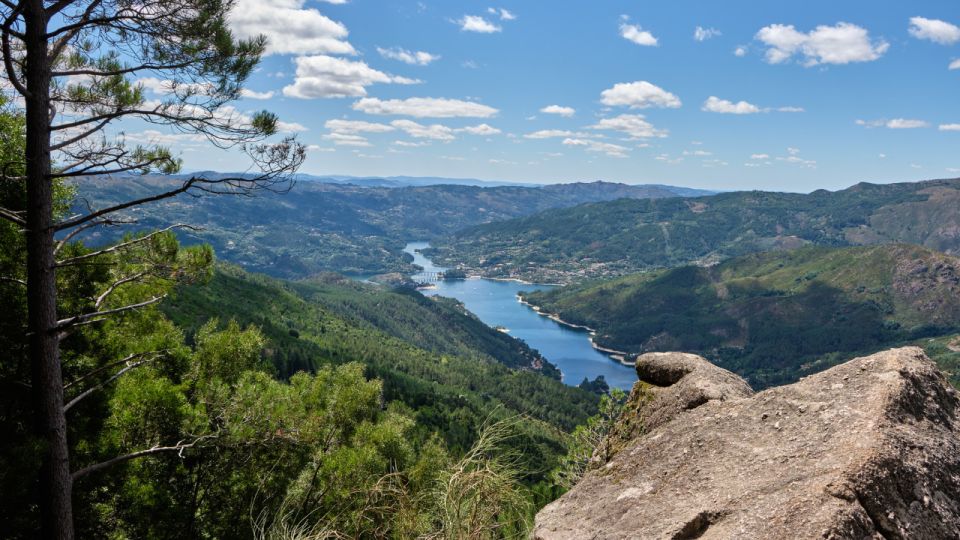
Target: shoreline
{"x":615,"y":355}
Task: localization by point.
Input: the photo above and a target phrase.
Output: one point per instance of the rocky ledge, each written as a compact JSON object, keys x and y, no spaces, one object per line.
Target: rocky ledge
{"x":867,"y":449}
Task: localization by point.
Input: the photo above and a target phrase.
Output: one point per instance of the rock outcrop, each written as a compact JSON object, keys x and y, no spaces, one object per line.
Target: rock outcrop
{"x":867,"y":449}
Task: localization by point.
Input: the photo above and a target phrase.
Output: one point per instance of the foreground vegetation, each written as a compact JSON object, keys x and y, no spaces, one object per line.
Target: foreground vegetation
{"x":773,"y":317}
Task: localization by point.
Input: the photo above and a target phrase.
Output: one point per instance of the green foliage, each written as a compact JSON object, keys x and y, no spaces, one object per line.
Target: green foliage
{"x":586,"y":438}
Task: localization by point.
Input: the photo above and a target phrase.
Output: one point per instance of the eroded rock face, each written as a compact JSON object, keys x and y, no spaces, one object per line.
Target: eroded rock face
{"x":868,"y":449}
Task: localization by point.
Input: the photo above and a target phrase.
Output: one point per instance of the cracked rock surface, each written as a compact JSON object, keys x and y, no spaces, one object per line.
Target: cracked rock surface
{"x":867,"y":449}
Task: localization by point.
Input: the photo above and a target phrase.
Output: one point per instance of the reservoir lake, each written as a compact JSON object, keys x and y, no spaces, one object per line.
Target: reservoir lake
{"x":495,"y":303}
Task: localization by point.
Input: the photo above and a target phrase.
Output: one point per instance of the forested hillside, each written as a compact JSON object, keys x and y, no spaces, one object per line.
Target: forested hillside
{"x":624,"y":236}
{"x":338,"y":227}
{"x":773,"y":317}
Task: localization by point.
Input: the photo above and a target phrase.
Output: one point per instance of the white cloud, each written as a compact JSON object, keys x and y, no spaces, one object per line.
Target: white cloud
{"x":345,"y":139}
{"x":425,"y":108}
{"x":639,"y":95}
{"x":792,"y":150}
{"x":328,"y":77}
{"x":154,"y":137}
{"x":416,"y":58}
{"x":882,"y":156}
{"x":934,"y":30}
{"x":476,"y":23}
{"x":553,"y":133}
{"x":290,"y":127}
{"x":408,"y":144}
{"x":791,"y":109}
{"x":250,"y":94}
{"x":740,"y":51}
{"x":895,"y":123}
{"x":559,"y":110}
{"x":703,"y":34}
{"x":318,"y":148}
{"x":949,"y":127}
{"x":612,"y":150}
{"x":289,"y":28}
{"x":634,"y":125}
{"x":356,"y":126}
{"x":759,"y":156}
{"x":634,"y":33}
{"x":480,"y":129}
{"x":435,"y":132}
{"x":717,"y":105}
{"x":840,"y":44}
{"x":502,"y":13}
{"x":954,"y":65}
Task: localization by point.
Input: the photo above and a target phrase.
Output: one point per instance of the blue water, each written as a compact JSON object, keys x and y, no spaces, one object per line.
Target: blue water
{"x":495,"y":303}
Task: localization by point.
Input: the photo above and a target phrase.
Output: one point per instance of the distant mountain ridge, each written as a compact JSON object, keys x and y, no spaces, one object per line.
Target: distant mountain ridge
{"x":612,"y":238}
{"x":343,"y":227}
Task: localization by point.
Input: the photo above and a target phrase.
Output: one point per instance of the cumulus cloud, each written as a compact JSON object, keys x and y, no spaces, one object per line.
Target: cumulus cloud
{"x":703,"y":34}
{"x":717,"y":105}
{"x":934,"y":30}
{"x":346,"y":139}
{"x":250,"y":94}
{"x":895,"y":123}
{"x":416,"y":58}
{"x":634,"y":125}
{"x":559,"y":110}
{"x":356,"y":126}
{"x":840,"y":44}
{"x":612,"y":150}
{"x":480,"y":129}
{"x":435,"y":132}
{"x":289,"y":28}
{"x":328,"y":77}
{"x":553,"y":133}
{"x":954,"y":65}
{"x":949,"y":127}
{"x":502,"y":13}
{"x":639,"y":95}
{"x":740,"y":51}
{"x":476,"y":23}
{"x":425,"y":108}
{"x":632,"y":32}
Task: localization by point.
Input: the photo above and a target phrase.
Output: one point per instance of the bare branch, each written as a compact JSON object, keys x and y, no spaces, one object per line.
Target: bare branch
{"x":94,"y":388}
{"x":111,"y":365}
{"x":5,"y":32}
{"x":12,"y":216}
{"x":63,"y":144}
{"x":13,"y":280}
{"x":122,"y":206}
{"x":89,"y":225}
{"x":102,"y":298}
{"x":123,"y":245}
{"x":179,"y":448}
{"x":78,"y":319}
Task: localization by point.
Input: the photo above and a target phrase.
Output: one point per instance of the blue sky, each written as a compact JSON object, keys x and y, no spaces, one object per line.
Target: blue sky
{"x":789,"y":96}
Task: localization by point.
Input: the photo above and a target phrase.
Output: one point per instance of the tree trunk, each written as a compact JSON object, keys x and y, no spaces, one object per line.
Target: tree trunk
{"x":56,"y":485}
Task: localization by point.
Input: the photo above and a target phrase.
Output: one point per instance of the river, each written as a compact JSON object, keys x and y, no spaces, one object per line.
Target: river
{"x":495,"y":303}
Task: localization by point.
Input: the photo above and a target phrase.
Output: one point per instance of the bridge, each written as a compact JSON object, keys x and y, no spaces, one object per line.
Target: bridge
{"x":428,"y":277}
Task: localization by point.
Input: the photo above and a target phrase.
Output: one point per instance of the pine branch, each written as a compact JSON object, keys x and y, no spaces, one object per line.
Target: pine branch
{"x":179,"y":448}
{"x":94,"y":388}
{"x":63,"y":324}
{"x":123,"y":245}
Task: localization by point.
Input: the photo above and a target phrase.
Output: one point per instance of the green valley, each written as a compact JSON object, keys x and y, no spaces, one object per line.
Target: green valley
{"x":324,"y":226}
{"x":620,"y":237}
{"x":776,"y":316}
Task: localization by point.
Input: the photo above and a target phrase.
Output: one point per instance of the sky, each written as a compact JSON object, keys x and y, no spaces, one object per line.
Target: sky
{"x":788,"y":96}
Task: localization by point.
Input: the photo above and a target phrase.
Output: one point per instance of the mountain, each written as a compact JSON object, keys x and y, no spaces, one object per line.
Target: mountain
{"x":869,"y":449}
{"x":345,"y":228}
{"x":623,"y":236}
{"x":773,"y":317}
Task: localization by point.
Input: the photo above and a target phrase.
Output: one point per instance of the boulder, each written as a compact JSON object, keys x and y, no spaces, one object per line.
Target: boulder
{"x":867,"y":449}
